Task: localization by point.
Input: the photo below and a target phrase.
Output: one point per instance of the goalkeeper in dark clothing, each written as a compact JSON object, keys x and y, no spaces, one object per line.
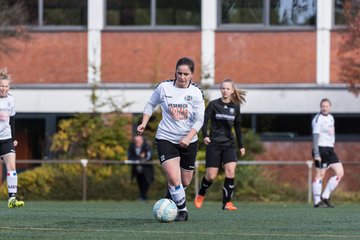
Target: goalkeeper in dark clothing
{"x":224,"y":114}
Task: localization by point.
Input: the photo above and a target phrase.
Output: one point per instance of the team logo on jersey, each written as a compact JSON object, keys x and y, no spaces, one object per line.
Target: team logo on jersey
{"x":178,"y":111}
{"x":188,"y":98}
{"x":232,"y":110}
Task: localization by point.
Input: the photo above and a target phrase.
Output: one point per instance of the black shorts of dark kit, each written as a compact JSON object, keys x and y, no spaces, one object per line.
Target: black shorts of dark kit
{"x":328,"y":157}
{"x":6,"y":146}
{"x":217,"y":155}
{"x":167,"y":150}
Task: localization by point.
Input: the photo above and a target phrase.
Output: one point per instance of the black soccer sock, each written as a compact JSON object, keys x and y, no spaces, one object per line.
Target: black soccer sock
{"x":205,"y":184}
{"x":228,"y":189}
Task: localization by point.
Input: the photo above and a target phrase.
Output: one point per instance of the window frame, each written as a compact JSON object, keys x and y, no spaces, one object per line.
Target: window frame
{"x":265,"y":26}
{"x":152,"y":26}
{"x":41,"y":27}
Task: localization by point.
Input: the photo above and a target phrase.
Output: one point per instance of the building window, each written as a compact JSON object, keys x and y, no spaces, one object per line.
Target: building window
{"x":22,"y":11}
{"x":152,"y":13}
{"x":242,"y":12}
{"x":285,"y":126}
{"x":65,"y":12}
{"x":293,"y":12}
{"x":268,"y":13}
{"x":54,"y":13}
{"x":183,"y":12}
{"x":135,"y":12}
{"x":339,"y":14}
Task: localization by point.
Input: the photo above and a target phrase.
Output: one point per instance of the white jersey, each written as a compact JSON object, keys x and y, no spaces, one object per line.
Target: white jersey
{"x":7,"y":110}
{"x":324,"y":125}
{"x":182,"y":109}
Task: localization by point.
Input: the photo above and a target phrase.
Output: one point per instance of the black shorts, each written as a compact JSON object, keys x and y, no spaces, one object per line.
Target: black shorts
{"x":167,"y":150}
{"x":328,"y":157}
{"x":6,"y":146}
{"x":217,"y":154}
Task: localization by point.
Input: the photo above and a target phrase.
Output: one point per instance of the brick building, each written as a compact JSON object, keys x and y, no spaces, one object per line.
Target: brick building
{"x":283,"y":53}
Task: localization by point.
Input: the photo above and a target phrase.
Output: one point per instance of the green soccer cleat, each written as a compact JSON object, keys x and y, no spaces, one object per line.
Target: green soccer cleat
{"x":13,"y":202}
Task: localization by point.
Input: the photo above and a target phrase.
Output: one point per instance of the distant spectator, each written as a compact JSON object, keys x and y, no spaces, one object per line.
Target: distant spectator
{"x":139,"y":150}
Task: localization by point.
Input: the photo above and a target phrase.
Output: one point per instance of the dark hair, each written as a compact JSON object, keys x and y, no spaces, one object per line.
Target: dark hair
{"x":186,"y":61}
{"x":325,"y":100}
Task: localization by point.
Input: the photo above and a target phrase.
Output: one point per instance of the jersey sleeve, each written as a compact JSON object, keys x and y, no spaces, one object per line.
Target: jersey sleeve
{"x":315,"y":125}
{"x":153,"y":102}
{"x":199,"y":108}
{"x":237,"y":126}
{"x":208,"y":113}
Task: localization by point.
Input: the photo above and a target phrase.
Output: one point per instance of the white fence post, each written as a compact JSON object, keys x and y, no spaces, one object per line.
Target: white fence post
{"x":84,"y":163}
{"x":309,"y":164}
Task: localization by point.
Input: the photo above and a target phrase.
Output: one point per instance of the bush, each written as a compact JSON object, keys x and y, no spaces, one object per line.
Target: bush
{"x":64,"y":182}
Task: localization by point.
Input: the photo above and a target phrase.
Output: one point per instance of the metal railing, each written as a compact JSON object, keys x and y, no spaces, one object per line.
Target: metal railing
{"x":85,"y":162}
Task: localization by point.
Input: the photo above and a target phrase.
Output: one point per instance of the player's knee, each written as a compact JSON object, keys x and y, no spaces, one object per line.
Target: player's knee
{"x":210,"y":177}
{"x":174,"y":181}
{"x":230,"y":173}
{"x":340,"y":176}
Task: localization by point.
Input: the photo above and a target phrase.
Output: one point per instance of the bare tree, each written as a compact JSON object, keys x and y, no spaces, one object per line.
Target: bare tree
{"x":350,"y":48}
{"x":13,"y":17}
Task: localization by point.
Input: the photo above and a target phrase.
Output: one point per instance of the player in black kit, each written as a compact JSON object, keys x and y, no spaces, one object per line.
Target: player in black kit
{"x":224,"y":114}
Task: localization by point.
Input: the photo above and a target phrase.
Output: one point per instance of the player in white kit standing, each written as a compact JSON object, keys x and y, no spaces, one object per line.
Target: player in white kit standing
{"x":7,"y":138}
{"x":323,"y":128}
{"x":182,"y":106}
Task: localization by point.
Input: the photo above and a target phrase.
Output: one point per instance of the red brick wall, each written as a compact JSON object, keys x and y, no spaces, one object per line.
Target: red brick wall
{"x":266,"y":57}
{"x":51,"y":57}
{"x":147,"y":57}
{"x":335,"y":63}
{"x":301,"y":151}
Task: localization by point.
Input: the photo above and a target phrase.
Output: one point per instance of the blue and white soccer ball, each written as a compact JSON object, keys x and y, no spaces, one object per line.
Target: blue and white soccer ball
{"x":165,"y":210}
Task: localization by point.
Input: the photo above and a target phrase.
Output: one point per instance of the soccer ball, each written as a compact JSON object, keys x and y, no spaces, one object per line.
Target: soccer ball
{"x":165,"y":210}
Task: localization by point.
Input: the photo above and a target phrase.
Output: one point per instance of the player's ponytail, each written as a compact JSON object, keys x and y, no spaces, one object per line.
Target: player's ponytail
{"x":238,"y":96}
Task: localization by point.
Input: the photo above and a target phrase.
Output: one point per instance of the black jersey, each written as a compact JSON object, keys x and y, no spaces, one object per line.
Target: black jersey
{"x":223,"y":116}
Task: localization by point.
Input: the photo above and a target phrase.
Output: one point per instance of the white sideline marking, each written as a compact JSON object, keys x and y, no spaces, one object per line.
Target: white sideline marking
{"x":172,"y":232}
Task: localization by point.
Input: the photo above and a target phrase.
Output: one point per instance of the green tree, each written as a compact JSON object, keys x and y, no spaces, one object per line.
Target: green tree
{"x":93,"y":135}
{"x":350,"y":48}
{"x":13,"y":17}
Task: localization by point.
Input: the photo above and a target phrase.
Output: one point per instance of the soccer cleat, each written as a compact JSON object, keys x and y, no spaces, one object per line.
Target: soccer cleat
{"x":321,"y":204}
{"x":327,"y":202}
{"x":182,"y":216}
{"x":229,"y":206}
{"x":13,"y":202}
{"x":199,"y":200}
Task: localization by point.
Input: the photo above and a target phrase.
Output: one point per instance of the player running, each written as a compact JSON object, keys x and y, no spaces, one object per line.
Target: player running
{"x":182,"y":106}
{"x":224,"y":114}
{"x":323,"y":128}
{"x":7,"y":138}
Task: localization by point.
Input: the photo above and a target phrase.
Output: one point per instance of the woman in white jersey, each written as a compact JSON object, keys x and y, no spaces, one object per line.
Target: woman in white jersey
{"x":182,"y":106}
{"x":323,"y":129}
{"x":7,"y":138}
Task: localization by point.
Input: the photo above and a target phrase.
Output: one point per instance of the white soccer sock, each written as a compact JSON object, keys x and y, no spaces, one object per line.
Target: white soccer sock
{"x":332,"y":184}
{"x":12,"y":181}
{"x":178,"y":196}
{"x":316,"y":189}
